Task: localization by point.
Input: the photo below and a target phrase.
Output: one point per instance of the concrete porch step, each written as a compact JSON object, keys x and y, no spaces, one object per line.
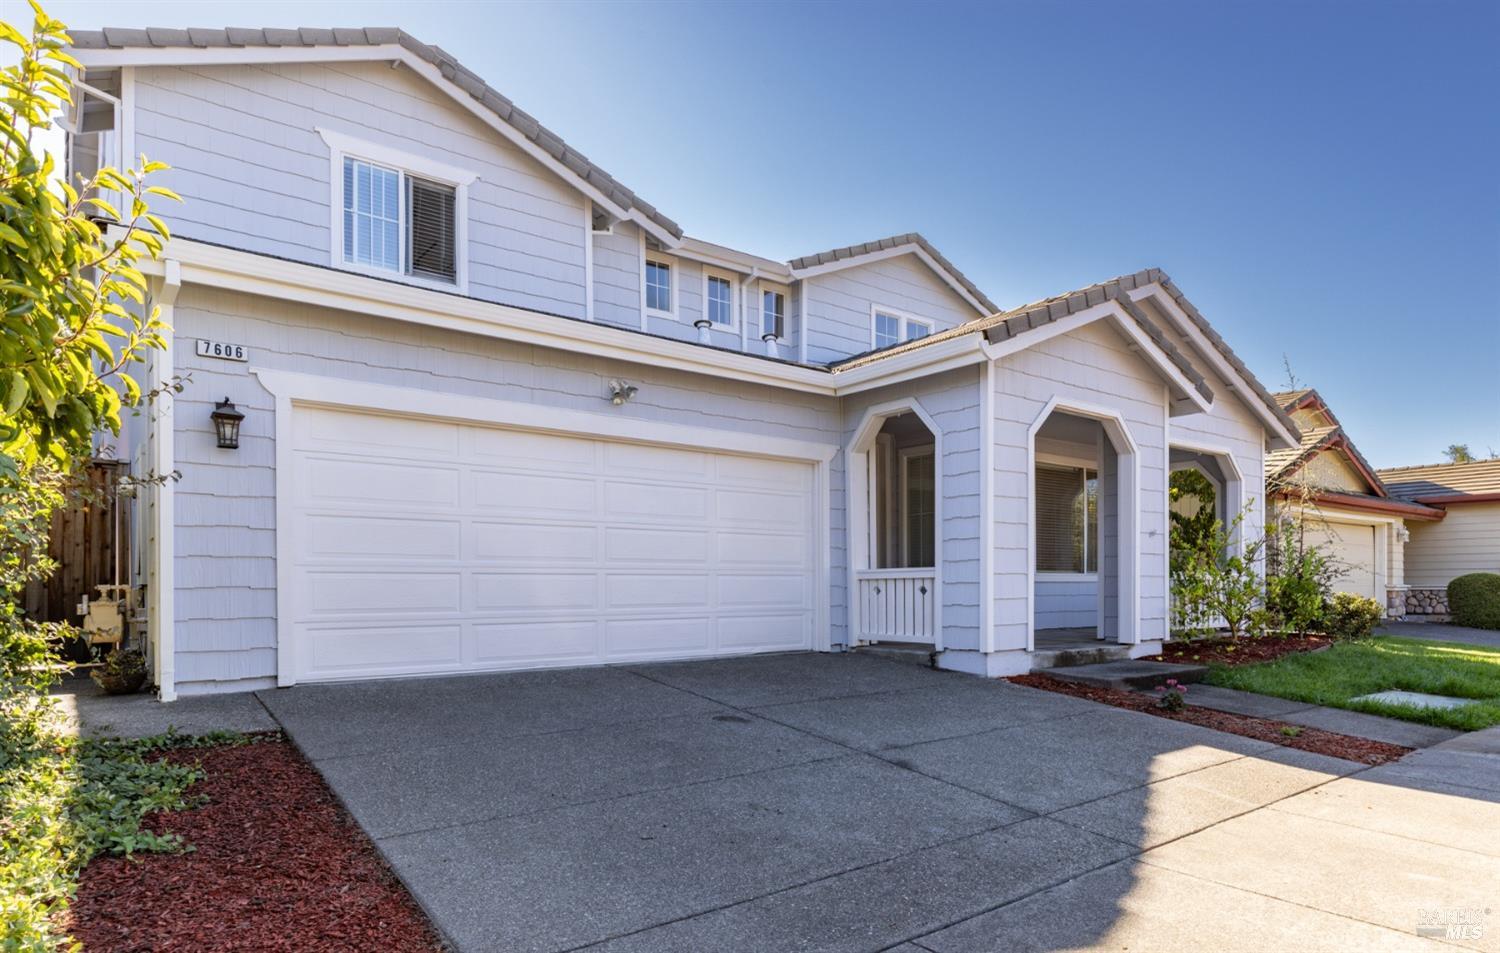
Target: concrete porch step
{"x":911,"y":653}
{"x":1067,"y":657}
{"x":1130,"y":674}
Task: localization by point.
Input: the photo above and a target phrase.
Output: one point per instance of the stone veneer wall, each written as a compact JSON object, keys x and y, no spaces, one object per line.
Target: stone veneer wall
{"x":1427,"y":602}
{"x":1395,"y":602}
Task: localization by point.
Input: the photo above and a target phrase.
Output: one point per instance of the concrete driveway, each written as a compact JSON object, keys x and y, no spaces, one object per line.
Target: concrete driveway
{"x":843,"y":802}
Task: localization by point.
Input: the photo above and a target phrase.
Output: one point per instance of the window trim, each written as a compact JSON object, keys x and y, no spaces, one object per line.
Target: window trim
{"x":733,"y":326}
{"x":674,"y":285}
{"x":907,"y":319}
{"x":342,"y":146}
{"x":1083,"y":464}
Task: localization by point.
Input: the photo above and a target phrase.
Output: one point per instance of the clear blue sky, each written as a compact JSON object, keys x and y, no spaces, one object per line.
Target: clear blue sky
{"x":1321,"y":178}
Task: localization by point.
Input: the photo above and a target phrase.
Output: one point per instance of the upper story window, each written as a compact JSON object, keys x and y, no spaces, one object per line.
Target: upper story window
{"x":1067,"y":519}
{"x":718,"y":300}
{"x":398,"y":214}
{"x":772,"y":313}
{"x":893,"y":327}
{"x":659,"y":279}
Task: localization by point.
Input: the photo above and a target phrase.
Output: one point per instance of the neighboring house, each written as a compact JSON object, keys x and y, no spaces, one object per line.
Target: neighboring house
{"x":500,"y":413}
{"x":1342,"y":504}
{"x":1466,"y":540}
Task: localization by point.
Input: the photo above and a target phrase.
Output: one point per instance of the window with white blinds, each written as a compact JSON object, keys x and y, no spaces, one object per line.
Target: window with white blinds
{"x":1067,"y":519}
{"x":432,"y":229}
{"x":397,"y":222}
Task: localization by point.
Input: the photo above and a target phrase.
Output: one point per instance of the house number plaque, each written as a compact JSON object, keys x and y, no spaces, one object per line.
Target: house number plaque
{"x":222,"y":350}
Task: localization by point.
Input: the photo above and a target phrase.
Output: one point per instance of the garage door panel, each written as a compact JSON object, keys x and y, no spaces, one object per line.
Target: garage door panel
{"x":635,"y":546}
{"x":363,"y":434}
{"x":779,"y":591}
{"x":638,"y":591}
{"x":534,"y":494}
{"x":760,"y":549}
{"x":765,"y":633}
{"x":350,"y":535}
{"x":347,"y":593}
{"x":654,"y":503}
{"x":550,"y":453}
{"x":372,"y":651}
{"x":761,"y":472}
{"x":645,"y":638}
{"x":656,"y":461}
{"x":353,"y":482}
{"x":529,"y":543}
{"x":530,"y":591}
{"x":519,"y":642}
{"x":756,"y":508}
{"x":524,"y":549}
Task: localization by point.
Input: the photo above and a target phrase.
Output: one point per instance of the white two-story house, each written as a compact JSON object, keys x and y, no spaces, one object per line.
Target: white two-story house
{"x":499,"y":412}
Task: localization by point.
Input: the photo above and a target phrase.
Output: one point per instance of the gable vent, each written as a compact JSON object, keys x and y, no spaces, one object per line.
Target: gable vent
{"x":433,"y":239}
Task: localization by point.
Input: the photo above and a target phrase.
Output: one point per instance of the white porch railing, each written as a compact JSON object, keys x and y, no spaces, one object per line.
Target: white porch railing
{"x":896,"y":605}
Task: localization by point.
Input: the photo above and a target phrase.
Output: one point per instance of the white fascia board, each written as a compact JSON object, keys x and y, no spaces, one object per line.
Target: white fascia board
{"x":707,"y":253}
{"x":1126,"y":324}
{"x":347,"y":291}
{"x":959,"y":351}
{"x":1237,"y":383}
{"x":895,"y":252}
{"x":233,"y":55}
{"x":389,"y":52}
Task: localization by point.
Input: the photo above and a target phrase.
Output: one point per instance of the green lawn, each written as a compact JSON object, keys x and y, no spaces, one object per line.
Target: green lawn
{"x":1351,"y":669}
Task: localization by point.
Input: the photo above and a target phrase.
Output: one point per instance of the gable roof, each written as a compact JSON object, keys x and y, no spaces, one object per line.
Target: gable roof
{"x":851,"y":255}
{"x":1282,"y":464}
{"x":1446,"y":483}
{"x":572,"y":161}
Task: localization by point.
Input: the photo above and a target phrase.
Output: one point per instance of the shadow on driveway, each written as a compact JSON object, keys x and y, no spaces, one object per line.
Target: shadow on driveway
{"x":843,"y":802}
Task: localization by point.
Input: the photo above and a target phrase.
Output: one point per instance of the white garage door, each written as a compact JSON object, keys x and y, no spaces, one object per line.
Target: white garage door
{"x":425,"y":546}
{"x":1352,"y":547}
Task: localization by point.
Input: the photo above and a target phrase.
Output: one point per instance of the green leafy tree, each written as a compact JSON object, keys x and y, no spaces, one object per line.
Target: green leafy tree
{"x":74,"y":315}
{"x":1459,"y":453}
{"x":72,"y":302}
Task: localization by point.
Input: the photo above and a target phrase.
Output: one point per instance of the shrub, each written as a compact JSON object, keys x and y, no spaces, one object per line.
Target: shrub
{"x":1474,"y":600}
{"x":1299,"y":578}
{"x":1347,"y":616}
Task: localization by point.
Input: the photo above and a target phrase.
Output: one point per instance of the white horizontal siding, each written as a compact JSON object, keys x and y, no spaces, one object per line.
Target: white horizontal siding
{"x":1094,"y":366}
{"x":952,"y":400}
{"x":839,"y":304}
{"x":254,"y":173}
{"x":226,"y":508}
{"x":1066,"y":604}
{"x":1466,"y":540}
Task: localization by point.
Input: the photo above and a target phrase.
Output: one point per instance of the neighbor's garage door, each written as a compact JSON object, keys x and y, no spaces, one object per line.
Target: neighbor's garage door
{"x":1352,"y":547}
{"x":428,"y":546}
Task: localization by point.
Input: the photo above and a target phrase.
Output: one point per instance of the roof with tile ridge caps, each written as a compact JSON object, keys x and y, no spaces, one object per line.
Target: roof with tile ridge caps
{"x":883,"y":244}
{"x":1281,"y":464}
{"x":452,"y":69}
{"x":1017,"y":321}
{"x":1480,"y":478}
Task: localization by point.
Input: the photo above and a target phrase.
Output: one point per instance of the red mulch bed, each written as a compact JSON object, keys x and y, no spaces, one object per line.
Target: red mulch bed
{"x":1242,"y":651}
{"x":1316,"y":740}
{"x":276,"y":865}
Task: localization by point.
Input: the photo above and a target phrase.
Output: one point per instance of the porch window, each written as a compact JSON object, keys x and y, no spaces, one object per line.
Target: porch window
{"x":1067,"y":519}
{"x":918,"y":496}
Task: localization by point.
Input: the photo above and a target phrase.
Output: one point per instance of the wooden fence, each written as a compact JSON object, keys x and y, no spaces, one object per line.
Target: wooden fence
{"x":90,"y":542}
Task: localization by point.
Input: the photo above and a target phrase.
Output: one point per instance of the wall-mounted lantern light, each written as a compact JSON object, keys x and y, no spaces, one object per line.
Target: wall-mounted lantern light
{"x":227,"y":424}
